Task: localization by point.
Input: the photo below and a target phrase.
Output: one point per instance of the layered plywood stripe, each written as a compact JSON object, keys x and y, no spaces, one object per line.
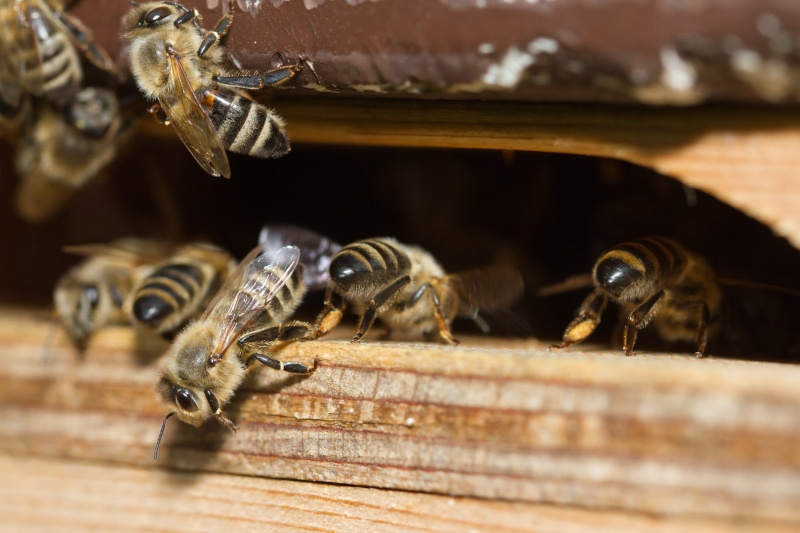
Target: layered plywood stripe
{"x":669,"y":435}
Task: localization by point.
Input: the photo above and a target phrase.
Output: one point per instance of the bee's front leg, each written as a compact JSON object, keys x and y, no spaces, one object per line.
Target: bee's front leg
{"x":218,"y":32}
{"x":638,"y":319}
{"x":586,"y":322}
{"x":383,"y":297}
{"x":441,"y":323}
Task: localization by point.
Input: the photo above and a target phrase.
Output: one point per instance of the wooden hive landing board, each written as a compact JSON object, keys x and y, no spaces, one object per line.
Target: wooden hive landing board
{"x":494,"y":419}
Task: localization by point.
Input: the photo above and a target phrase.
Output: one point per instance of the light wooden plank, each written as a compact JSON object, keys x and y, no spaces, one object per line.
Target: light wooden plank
{"x":493,"y":419}
{"x":59,"y":495}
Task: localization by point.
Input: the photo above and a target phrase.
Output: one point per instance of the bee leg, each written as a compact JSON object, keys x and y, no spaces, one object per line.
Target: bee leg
{"x":217,"y":410}
{"x":638,"y":319}
{"x":702,"y":326}
{"x":585,"y":323}
{"x":369,"y":316}
{"x":291,"y":331}
{"x":441,"y":323}
{"x":274,"y":77}
{"x":217,"y":33}
{"x":331,"y":314}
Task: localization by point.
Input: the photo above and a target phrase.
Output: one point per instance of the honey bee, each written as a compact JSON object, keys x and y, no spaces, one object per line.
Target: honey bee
{"x":179,"y":288}
{"x":178,"y":64}
{"x":43,"y":44}
{"x":409,"y":290}
{"x":238,"y":331}
{"x":654,"y":279}
{"x":91,"y":295}
{"x":62,"y":151}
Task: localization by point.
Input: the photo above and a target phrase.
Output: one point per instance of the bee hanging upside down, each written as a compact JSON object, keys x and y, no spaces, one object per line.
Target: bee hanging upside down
{"x":178,"y":64}
{"x":409,"y":290}
{"x":654,"y":279}
{"x":211,"y":356}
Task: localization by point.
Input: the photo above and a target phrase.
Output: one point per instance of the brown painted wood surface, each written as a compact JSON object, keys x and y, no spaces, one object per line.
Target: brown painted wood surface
{"x":503,"y":420}
{"x":65,"y":496}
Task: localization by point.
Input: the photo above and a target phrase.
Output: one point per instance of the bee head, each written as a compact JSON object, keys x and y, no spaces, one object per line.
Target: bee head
{"x":77,"y":306}
{"x":618,"y":275}
{"x":188,"y":403}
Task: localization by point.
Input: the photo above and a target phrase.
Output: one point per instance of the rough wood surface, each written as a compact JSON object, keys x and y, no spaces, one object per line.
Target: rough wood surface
{"x":503,"y":420}
{"x":747,"y":158}
{"x":65,"y":496}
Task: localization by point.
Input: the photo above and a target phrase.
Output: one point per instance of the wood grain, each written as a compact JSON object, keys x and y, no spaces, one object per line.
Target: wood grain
{"x":65,"y":496}
{"x":661,"y":434}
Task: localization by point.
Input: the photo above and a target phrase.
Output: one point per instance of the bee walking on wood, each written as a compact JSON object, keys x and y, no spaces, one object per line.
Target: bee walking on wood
{"x":238,"y":332}
{"x":409,"y":290}
{"x":654,"y":279}
{"x":178,"y":64}
{"x":91,"y":295}
{"x":180,"y":288}
{"x":64,"y":150}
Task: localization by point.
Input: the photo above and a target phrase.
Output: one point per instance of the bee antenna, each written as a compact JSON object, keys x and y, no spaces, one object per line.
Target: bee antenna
{"x":136,"y":4}
{"x":161,"y":434}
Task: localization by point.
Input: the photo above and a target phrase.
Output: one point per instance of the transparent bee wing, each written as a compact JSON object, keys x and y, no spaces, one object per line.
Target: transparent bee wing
{"x":572,"y":283}
{"x":316,"y":251}
{"x":192,"y":124}
{"x":488,"y":289}
{"x":82,"y":37}
{"x":131,"y":248}
{"x":258,"y":281}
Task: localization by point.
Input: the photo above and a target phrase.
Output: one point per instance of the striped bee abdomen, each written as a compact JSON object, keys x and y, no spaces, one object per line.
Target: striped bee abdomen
{"x":638,"y":266}
{"x":60,"y":63}
{"x":245,"y":126}
{"x":286,"y":300}
{"x":368,"y":263}
{"x":167,"y":291}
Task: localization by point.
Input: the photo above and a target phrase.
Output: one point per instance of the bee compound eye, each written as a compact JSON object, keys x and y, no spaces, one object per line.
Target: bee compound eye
{"x":156,"y":14}
{"x":184,"y":399}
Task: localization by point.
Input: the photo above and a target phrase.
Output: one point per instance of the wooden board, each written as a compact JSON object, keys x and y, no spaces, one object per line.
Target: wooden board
{"x":660,"y":434}
{"x":65,"y":496}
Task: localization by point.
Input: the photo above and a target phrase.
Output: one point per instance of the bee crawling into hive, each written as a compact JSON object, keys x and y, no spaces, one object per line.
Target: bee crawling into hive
{"x":238,"y":332}
{"x":179,"y":64}
{"x":654,"y":279}
{"x":408,"y":289}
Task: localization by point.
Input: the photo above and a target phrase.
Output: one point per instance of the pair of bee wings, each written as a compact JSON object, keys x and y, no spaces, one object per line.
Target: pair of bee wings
{"x":251,"y":287}
{"x":191,"y":123}
{"x":21,"y":46}
{"x":490,"y":288}
{"x":133,"y":249}
{"x":316,"y":251}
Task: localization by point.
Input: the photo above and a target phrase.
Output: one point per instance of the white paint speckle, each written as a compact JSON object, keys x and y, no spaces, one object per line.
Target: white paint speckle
{"x":451,"y":502}
{"x":678,"y":74}
{"x":486,"y":48}
{"x":410,"y":421}
{"x":768,"y":24}
{"x":311,"y":4}
{"x":543,"y":45}
{"x":212,"y":4}
{"x":250,"y":6}
{"x":532,"y":1}
{"x":480,"y":3}
{"x":351,"y":410}
{"x":508,"y":72}
{"x":746,"y":60}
